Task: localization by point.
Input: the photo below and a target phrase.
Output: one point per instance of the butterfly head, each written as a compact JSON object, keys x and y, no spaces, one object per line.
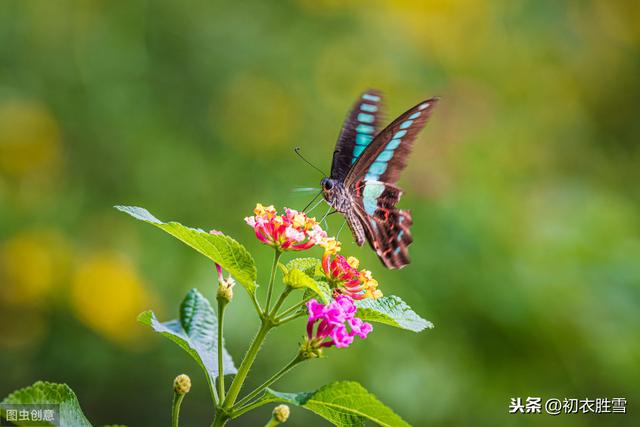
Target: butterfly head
{"x":328,"y":188}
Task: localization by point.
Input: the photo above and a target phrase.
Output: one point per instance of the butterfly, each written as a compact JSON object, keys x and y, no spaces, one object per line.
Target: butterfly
{"x":366,"y":165}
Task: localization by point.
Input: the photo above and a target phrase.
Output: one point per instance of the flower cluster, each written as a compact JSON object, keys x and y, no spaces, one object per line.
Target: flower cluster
{"x":293,"y":231}
{"x":333,"y":324}
{"x":332,"y":320}
{"x":344,"y":276}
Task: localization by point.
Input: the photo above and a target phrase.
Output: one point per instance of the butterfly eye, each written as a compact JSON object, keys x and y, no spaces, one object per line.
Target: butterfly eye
{"x":327,"y":184}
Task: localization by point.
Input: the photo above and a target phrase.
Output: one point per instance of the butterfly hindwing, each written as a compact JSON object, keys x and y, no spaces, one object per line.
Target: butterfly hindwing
{"x":358,"y":131}
{"x":386,"y":228}
{"x":388,"y":234}
{"x":394,"y":237}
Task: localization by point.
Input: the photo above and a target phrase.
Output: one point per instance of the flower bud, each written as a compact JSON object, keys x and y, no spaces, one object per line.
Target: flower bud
{"x":225,"y":290}
{"x":281,"y":413}
{"x":182,"y":384}
{"x":310,"y":349}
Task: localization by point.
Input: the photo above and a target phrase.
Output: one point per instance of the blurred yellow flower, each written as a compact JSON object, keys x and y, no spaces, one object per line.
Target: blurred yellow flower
{"x":31,"y":264}
{"x":29,"y":138}
{"x":448,"y":31}
{"x":107,"y":294}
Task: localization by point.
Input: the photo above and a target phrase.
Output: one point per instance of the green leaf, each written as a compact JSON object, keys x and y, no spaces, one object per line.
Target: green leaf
{"x":46,"y":393}
{"x":391,"y":310}
{"x":196,"y":332}
{"x":309,"y":266}
{"x":222,"y":249}
{"x":343,"y":403}
{"x":297,"y":280}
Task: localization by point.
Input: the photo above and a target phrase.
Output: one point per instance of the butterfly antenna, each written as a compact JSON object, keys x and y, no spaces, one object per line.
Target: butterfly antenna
{"x":297,"y":150}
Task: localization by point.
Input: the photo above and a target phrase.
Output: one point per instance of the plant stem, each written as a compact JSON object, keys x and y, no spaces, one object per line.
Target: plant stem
{"x":256,"y":304}
{"x":276,"y":258}
{"x":222,"y":303}
{"x":175,"y":408}
{"x":295,"y":307}
{"x":283,"y":296}
{"x":272,"y":423}
{"x":220,"y":419}
{"x":246,"y":364}
{"x":247,"y":408}
{"x":292,"y":317}
{"x":275,"y":377}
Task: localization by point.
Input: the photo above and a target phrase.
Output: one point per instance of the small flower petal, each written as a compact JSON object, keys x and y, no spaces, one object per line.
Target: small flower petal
{"x":333,"y":319}
{"x":291,"y":231}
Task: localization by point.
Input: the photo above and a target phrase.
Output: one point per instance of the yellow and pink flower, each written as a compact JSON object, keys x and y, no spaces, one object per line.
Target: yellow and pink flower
{"x":293,"y":231}
{"x":344,"y":276}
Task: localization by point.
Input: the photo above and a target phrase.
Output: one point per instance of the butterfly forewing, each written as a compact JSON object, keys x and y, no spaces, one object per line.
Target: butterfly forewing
{"x":358,"y":131}
{"x":386,"y":156}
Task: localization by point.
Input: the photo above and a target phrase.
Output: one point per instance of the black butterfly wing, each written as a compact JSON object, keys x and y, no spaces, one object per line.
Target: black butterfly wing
{"x":386,"y":156}
{"x":358,"y":131}
{"x":387,"y":229}
{"x":372,"y":181}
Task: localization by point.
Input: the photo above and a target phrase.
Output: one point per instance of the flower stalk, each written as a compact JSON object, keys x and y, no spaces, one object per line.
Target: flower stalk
{"x":222,"y":303}
{"x":294,"y":308}
{"x":283,"y":320}
{"x":181,"y":386}
{"x":274,"y":267}
{"x":221,"y":419}
{"x":283,"y":296}
{"x":247,"y":362}
{"x":224,"y":297}
{"x":275,"y":377}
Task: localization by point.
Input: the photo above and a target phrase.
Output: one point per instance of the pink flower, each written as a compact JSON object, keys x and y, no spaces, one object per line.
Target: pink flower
{"x":293,"y":231}
{"x":332,"y":320}
{"x":344,"y":276}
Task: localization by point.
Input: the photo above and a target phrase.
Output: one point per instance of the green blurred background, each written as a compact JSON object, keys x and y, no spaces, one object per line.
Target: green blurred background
{"x":524,"y":192}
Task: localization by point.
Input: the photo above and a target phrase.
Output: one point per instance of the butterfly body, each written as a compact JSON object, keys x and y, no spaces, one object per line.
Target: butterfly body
{"x":339,"y":198}
{"x":366,"y":165}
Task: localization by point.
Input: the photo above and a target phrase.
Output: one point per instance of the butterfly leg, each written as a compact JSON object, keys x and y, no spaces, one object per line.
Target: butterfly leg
{"x":324,"y":218}
{"x":313,"y":207}
{"x":312,"y":200}
{"x":340,"y":229}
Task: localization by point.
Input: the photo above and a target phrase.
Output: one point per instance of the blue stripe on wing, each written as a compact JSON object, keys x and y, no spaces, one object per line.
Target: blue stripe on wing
{"x":379,"y":165}
{"x":365,"y":129}
{"x":363,"y":139}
